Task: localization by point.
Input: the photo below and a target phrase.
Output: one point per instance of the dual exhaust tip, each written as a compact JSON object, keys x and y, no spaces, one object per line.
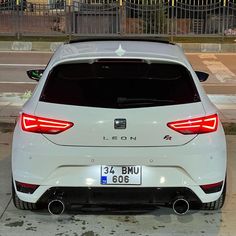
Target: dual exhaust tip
{"x":56,"y":207}
{"x":180,"y":206}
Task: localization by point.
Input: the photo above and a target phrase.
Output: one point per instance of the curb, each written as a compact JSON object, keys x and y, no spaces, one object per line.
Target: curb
{"x":52,"y":46}
{"x":6,"y":127}
{"x":229,"y":128}
{"x":29,"y":46}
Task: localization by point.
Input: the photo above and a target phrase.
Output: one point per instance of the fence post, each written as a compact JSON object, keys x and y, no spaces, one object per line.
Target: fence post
{"x":223,"y":21}
{"x":17,"y":19}
{"x":69,"y":19}
{"x":122,"y":18}
{"x":172,"y":20}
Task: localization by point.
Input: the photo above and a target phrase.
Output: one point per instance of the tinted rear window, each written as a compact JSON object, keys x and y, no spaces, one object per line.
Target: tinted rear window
{"x":119,"y":84}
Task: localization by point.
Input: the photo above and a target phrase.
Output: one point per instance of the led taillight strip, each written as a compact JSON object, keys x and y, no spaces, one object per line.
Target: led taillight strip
{"x":44,"y":125}
{"x":199,"y":125}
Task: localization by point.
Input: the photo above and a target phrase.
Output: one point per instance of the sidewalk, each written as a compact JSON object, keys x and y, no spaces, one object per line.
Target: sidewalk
{"x":11,"y":103}
{"x":52,"y":46}
{"x":10,"y":106}
{"x":226,"y":105}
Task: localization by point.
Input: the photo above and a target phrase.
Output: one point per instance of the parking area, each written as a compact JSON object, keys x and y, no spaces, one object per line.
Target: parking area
{"x":116,"y":221}
{"x":99,"y":221}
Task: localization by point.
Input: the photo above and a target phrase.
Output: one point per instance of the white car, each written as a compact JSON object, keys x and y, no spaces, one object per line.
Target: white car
{"x":119,"y":121}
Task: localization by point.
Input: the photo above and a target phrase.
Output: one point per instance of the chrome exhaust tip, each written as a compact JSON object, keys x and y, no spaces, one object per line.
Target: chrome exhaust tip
{"x":56,"y":207}
{"x":180,"y":206}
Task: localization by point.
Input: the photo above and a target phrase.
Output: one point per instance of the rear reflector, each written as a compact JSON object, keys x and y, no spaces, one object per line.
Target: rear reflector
{"x":199,"y":125}
{"x":25,"y":187}
{"x":212,"y":188}
{"x":43,"y":125}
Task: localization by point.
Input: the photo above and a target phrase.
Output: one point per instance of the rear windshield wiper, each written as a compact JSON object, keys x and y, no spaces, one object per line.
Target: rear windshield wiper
{"x":123,"y":101}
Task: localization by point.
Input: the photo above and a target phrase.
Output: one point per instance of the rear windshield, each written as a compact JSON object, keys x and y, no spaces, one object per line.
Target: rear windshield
{"x":119,"y":84}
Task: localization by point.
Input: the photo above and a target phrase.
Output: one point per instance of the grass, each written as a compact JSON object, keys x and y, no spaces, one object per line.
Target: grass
{"x":26,"y":95}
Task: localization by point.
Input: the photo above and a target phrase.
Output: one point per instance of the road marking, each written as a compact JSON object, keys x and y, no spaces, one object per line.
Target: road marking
{"x":211,"y":53}
{"x":24,"y":65}
{"x":9,"y":82}
{"x":220,"y":85}
{"x":226,"y":106}
{"x":220,"y":71}
{"x":3,"y":104}
{"x":208,"y":56}
{"x":9,"y":99}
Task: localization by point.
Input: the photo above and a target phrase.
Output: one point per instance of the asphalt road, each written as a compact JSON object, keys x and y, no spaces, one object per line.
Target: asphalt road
{"x":221,"y":69}
{"x":13,"y":65}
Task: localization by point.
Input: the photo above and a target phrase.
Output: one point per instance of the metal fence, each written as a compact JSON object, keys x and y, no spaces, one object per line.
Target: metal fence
{"x":113,"y":17}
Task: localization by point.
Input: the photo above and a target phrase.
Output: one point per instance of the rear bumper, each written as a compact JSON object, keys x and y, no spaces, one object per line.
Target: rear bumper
{"x":80,"y":185}
{"x":119,"y":196}
{"x":36,"y":160}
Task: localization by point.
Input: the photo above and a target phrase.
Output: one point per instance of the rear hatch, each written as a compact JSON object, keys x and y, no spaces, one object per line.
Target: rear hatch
{"x":119,"y":103}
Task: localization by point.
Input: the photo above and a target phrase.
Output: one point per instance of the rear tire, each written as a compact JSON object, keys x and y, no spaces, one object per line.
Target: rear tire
{"x":21,"y":204}
{"x":218,"y":204}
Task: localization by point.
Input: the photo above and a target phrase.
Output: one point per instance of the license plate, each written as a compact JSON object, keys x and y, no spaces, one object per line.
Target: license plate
{"x":121,"y":175}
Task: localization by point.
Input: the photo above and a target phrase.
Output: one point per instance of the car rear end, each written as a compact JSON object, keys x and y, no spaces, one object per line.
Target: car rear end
{"x":119,"y":129}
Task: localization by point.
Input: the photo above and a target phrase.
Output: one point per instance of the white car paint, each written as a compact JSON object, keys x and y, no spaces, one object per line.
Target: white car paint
{"x":73,"y":158}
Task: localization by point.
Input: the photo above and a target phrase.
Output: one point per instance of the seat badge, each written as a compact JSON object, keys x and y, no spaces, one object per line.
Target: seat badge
{"x":120,"y":123}
{"x":120,"y":51}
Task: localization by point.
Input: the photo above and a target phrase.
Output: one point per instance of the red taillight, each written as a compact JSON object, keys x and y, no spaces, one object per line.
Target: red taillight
{"x":199,"y":125}
{"x":43,"y":125}
{"x":25,"y":187}
{"x":212,"y":188}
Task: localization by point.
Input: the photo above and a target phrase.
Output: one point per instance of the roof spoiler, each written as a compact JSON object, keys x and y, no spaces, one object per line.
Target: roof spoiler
{"x":120,"y":38}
